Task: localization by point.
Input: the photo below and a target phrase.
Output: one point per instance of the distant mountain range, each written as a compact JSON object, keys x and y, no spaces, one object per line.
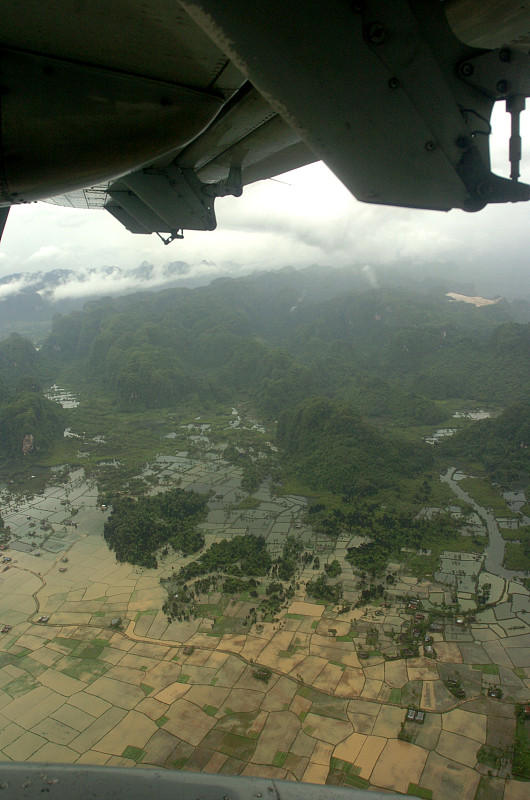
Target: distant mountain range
{"x":30,"y":300}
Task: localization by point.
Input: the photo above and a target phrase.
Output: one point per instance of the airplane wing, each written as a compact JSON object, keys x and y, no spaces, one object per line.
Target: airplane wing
{"x":67,"y":781}
{"x":153,"y":110}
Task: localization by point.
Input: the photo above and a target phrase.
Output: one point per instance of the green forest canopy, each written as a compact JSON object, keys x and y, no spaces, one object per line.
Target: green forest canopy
{"x":391,"y":353}
{"x":136,"y":529}
{"x":501,"y":445}
{"x":330,"y":447}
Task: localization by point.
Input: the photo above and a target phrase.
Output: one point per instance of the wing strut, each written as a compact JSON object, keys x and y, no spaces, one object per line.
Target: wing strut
{"x":177,"y":235}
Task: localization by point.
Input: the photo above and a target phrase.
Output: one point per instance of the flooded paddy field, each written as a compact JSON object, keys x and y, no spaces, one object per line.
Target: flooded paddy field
{"x":318,"y":693}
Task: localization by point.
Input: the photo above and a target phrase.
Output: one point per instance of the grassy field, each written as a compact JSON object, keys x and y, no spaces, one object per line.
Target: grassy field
{"x":516,"y":556}
{"x":521,"y":756}
{"x":521,"y":534}
{"x":487,"y":496}
{"x":419,"y":791}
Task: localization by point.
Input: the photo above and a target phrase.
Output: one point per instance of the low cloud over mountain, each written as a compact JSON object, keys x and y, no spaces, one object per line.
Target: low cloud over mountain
{"x":68,"y":284}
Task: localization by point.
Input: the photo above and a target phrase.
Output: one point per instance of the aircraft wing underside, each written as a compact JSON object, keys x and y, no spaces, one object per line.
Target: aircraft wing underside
{"x":153,"y":110}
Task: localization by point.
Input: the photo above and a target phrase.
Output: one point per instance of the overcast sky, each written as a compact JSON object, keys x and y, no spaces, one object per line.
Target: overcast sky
{"x":307,"y":218}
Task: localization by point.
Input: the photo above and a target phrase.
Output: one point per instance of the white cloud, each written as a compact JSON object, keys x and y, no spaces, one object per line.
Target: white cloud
{"x":13,"y":287}
{"x":44,"y":252}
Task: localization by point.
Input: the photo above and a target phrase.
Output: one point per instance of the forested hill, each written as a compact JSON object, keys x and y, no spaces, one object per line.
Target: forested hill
{"x":19,"y":359}
{"x":331,"y":447}
{"x":278,"y":338}
{"x":29,"y":423}
{"x":501,"y":445}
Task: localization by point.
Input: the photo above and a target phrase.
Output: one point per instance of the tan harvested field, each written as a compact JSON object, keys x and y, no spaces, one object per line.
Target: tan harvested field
{"x":188,"y":722}
{"x":422,"y":669}
{"x":388,"y":722}
{"x":448,"y":652}
{"x":449,"y":779}
{"x":458,"y":748}
{"x":516,"y":790}
{"x":326,"y":729}
{"x":349,"y":749}
{"x":396,"y":674}
{"x":369,"y":755}
{"x":399,"y":764}
{"x":474,"y":726}
{"x":77,"y":690}
{"x":278,"y":734}
{"x":307,"y":609}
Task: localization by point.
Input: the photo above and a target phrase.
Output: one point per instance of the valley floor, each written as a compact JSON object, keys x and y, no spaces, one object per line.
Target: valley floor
{"x":106,"y":679}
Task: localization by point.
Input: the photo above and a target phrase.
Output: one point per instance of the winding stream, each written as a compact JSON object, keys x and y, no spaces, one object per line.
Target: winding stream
{"x":494,"y":553}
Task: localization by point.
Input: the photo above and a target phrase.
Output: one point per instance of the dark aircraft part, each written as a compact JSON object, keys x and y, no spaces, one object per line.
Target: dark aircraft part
{"x":503,"y":74}
{"x":247,"y":134}
{"x":130,"y":219}
{"x":374,"y":89}
{"x":65,"y":126}
{"x":64,"y":782}
{"x":4,"y":213}
{"x":168,"y":200}
{"x":247,"y":141}
{"x":384,"y":91}
{"x":490,"y":23}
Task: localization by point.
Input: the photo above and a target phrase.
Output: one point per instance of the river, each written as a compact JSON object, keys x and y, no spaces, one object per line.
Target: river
{"x":494,"y":553}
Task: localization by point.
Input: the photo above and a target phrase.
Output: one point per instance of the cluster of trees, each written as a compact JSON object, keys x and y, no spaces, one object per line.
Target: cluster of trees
{"x":390,"y":530}
{"x":29,"y":422}
{"x":375,"y":396}
{"x":136,"y":529}
{"x":240,"y":556}
{"x":333,"y":569}
{"x":18,"y":359}
{"x":369,"y":593}
{"x":276,"y":596}
{"x":521,"y":755}
{"x":235,"y":585}
{"x":233,"y":566}
{"x":321,"y":589}
{"x":5,"y":531}
{"x":286,"y":564}
{"x":387,"y":528}
{"x":236,"y":563}
{"x":494,"y":370}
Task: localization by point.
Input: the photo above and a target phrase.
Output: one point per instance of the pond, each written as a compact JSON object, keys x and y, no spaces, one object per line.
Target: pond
{"x":62,"y":396}
{"x":478,"y":414}
{"x":441,"y":433}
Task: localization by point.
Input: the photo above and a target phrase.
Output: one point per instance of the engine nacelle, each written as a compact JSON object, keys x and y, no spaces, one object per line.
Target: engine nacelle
{"x":65,"y":126}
